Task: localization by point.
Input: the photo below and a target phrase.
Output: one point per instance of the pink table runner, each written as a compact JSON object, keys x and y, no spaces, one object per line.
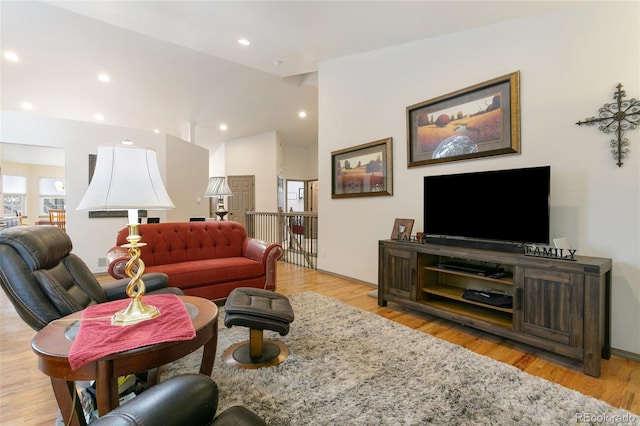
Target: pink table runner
{"x":97,"y":338}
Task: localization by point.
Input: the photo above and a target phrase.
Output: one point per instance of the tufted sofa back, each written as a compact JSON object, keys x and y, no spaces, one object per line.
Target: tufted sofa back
{"x":187,"y":241}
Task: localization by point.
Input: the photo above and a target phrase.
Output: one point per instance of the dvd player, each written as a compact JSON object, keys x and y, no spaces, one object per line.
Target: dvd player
{"x":469,"y":268}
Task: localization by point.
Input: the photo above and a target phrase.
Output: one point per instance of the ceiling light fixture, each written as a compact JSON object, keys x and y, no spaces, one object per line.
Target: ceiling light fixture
{"x":156,"y":130}
{"x":302,"y":114}
{"x":223,"y":127}
{"x":26,"y":106}
{"x":103,"y":77}
{"x":244,"y":42}
{"x":11,"y":56}
{"x":99,"y":117}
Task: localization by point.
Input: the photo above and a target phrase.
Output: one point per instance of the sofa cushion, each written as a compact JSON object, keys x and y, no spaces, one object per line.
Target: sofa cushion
{"x":210,"y":271}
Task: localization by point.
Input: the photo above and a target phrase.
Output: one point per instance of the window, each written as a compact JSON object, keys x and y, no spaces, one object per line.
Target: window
{"x":14,"y":194}
{"x":51,"y":194}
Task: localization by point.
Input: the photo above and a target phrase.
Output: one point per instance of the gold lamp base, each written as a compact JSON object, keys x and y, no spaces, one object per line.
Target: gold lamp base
{"x":137,"y":311}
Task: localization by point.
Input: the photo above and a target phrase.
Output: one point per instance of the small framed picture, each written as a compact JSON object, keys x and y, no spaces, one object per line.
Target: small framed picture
{"x":362,"y":171}
{"x":402,"y":229}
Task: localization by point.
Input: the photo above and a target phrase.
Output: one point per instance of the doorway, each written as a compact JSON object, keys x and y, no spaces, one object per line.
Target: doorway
{"x":295,"y":196}
{"x":243,"y":198}
{"x":311,"y":190}
{"x":302,"y":195}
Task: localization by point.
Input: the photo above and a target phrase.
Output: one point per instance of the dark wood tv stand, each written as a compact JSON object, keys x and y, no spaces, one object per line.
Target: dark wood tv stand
{"x":560,"y":306}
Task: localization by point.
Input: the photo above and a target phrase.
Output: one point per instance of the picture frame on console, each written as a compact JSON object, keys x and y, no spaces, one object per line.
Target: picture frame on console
{"x":402,"y":229}
{"x":363,"y":170}
{"x":478,"y":121}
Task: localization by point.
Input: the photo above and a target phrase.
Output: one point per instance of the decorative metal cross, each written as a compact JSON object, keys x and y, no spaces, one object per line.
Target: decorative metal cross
{"x":617,"y":117}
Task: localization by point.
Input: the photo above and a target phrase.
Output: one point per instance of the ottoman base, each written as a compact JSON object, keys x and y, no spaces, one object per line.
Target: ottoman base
{"x":273,"y":353}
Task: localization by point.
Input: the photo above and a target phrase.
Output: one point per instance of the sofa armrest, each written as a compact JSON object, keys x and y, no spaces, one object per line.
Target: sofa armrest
{"x":117,"y":258}
{"x":268,"y":254}
{"x":115,"y":290}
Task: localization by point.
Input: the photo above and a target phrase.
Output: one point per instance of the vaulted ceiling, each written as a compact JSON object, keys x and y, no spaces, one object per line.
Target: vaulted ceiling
{"x":177,"y":66}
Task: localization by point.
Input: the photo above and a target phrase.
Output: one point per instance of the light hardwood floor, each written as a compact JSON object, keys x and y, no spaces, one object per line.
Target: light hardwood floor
{"x":26,"y":396}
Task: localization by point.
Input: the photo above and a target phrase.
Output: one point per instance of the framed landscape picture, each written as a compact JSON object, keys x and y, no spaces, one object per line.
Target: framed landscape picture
{"x":478,"y":121}
{"x":363,"y":170}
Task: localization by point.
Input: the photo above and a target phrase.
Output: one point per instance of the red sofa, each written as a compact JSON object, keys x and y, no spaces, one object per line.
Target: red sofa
{"x":205,"y":259}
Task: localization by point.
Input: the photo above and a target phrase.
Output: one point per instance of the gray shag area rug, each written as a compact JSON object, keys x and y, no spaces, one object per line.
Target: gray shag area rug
{"x":351,"y":367}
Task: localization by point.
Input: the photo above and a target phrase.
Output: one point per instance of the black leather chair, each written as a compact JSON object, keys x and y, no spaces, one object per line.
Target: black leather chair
{"x":189,"y":399}
{"x":45,"y":281}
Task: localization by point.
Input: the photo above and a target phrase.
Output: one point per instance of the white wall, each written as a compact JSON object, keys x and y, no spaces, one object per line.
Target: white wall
{"x":93,"y":237}
{"x":300,"y":162}
{"x":256,"y":156}
{"x":570,"y":62}
{"x":187,"y":176}
{"x":266,"y":157}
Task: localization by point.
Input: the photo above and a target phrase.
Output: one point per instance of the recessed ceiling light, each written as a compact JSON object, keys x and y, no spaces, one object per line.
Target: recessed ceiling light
{"x":223,"y":127}
{"x":244,"y":42}
{"x":26,"y":106}
{"x":277,"y":62}
{"x":156,"y":130}
{"x":302,"y":114}
{"x":99,"y":117}
{"x":103,"y":77}
{"x":11,"y":56}
{"x":127,"y":142}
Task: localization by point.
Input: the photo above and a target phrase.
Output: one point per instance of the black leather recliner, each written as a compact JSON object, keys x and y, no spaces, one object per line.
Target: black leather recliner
{"x":45,"y":281}
{"x":189,"y":399}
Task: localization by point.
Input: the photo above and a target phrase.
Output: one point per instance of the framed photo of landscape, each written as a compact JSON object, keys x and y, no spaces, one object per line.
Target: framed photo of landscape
{"x":479,"y":121}
{"x":363,"y":170}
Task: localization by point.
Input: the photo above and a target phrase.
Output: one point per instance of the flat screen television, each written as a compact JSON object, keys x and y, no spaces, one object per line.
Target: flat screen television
{"x":498,"y":209}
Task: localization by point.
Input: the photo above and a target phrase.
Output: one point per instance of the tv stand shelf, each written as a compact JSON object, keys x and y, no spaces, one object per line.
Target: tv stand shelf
{"x":559,"y":306}
{"x":455,"y":293}
{"x":507,"y":279}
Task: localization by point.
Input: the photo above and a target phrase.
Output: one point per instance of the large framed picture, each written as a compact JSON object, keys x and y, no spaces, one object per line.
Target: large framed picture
{"x":478,"y":121}
{"x":363,"y":170}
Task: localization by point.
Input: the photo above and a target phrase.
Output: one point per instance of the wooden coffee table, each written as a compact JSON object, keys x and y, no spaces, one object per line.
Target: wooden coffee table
{"x":53,"y":342}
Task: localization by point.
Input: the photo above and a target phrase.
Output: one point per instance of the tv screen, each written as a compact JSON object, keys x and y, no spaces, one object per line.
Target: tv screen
{"x":504,"y":205}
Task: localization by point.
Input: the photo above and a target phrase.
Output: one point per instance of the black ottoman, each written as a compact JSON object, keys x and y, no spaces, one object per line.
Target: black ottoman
{"x":259,"y":310}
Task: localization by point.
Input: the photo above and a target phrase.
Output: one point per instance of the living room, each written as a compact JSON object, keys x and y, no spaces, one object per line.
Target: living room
{"x":570,"y":61}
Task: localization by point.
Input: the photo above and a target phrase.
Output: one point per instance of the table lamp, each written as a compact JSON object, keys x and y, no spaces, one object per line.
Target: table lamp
{"x":218,"y":188}
{"x":128,"y":178}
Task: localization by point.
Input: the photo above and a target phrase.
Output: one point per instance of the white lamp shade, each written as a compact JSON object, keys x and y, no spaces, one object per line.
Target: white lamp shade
{"x":125,"y":178}
{"x":217,"y":187}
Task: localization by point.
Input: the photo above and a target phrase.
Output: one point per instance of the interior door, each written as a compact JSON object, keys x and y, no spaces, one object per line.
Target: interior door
{"x":311,"y":204}
{"x":243,"y":198}
{"x":312,"y":196}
